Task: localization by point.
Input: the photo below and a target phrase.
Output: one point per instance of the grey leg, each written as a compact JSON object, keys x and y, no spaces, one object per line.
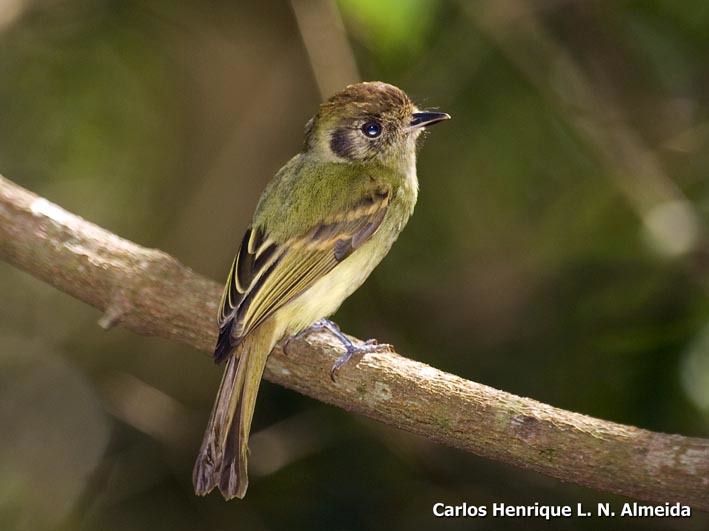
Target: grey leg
{"x":351,"y":349}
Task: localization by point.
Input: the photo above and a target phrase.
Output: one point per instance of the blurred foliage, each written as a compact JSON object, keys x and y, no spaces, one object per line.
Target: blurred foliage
{"x":392,"y":29}
{"x":532,"y":263}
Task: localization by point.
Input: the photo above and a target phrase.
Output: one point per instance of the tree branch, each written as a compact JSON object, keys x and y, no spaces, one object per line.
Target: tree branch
{"x":151,"y":293}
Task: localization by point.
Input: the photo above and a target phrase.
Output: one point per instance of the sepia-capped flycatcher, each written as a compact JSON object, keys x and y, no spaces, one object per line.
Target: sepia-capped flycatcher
{"x":321,"y":226}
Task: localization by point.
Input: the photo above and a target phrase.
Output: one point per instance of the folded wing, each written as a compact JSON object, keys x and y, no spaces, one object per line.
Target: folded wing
{"x":267,"y":275}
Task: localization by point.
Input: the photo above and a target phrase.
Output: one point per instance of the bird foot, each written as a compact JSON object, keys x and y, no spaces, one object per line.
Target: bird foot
{"x":367,"y":347}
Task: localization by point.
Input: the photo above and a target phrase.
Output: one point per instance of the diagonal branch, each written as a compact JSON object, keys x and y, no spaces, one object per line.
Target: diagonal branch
{"x":151,"y":293}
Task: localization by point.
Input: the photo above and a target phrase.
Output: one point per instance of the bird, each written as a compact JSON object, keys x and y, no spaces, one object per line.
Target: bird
{"x":322,"y":224}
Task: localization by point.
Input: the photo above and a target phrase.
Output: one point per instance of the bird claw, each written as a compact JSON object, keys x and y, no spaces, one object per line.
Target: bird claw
{"x":367,"y":347}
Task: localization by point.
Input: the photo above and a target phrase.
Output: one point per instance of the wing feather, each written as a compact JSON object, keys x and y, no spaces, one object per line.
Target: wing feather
{"x":266,"y":275}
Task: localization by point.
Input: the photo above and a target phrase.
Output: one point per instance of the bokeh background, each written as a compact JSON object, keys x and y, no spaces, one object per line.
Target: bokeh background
{"x":558,"y":249}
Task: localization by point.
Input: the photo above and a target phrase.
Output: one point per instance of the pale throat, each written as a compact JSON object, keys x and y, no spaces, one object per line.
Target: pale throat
{"x":410,"y":185}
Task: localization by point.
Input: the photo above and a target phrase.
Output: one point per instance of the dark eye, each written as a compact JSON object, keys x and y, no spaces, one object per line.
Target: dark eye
{"x":372,"y":129}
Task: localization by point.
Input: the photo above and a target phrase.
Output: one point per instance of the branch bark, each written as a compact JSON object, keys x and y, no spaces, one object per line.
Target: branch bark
{"x":151,"y":293}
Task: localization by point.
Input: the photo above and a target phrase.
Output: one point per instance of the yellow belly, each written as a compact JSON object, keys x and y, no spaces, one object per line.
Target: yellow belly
{"x":324,"y":297}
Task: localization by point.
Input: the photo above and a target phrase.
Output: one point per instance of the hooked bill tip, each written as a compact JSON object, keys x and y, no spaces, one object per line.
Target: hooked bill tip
{"x":426,"y":118}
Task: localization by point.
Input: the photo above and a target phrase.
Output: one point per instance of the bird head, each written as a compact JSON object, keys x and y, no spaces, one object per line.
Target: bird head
{"x":369,"y":122}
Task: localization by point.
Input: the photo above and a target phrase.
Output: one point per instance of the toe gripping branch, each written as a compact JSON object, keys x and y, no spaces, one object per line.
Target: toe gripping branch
{"x":371,"y":345}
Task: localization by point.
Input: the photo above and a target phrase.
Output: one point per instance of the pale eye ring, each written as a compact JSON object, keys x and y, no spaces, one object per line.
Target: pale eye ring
{"x":372,"y":129}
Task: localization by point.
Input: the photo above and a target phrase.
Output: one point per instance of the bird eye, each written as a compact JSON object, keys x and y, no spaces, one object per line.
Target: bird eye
{"x":372,"y":129}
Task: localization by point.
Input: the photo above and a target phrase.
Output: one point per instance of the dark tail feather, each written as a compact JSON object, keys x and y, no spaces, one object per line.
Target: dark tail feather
{"x":234,"y":478}
{"x":206,"y":469}
{"x":223,"y":457}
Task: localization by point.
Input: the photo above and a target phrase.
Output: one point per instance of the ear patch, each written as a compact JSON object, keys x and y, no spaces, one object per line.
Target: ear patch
{"x":342,"y":143}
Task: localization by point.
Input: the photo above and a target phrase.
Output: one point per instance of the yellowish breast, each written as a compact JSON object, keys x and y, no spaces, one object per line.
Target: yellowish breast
{"x":324,"y":297}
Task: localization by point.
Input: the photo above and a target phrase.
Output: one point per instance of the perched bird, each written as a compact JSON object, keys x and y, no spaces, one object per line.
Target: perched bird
{"x":321,"y":226}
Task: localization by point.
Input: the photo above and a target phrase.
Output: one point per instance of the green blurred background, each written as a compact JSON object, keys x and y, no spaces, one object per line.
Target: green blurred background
{"x":558,"y":249}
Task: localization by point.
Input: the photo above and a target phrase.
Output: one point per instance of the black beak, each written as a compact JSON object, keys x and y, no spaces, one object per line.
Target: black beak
{"x":426,"y":118}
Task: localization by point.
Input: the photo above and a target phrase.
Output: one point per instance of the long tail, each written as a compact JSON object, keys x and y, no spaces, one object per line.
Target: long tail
{"x":222,"y":460}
